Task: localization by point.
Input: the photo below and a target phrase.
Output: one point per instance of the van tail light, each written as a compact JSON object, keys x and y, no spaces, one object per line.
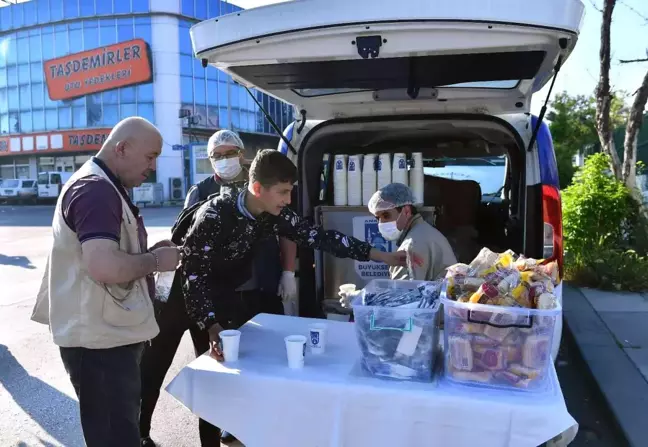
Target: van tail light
{"x":552,"y":218}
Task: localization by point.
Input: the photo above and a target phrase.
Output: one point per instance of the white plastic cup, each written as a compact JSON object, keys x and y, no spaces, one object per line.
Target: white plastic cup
{"x":317,"y":338}
{"x":295,"y":349}
{"x":348,"y":288}
{"x":230,"y":340}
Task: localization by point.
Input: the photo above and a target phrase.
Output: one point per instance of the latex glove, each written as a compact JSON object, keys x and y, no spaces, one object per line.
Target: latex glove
{"x":347,"y":297}
{"x":287,"y":285}
{"x":288,"y":292}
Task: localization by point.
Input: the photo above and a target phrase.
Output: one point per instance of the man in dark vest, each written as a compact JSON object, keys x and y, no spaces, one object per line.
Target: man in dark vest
{"x":272,"y":279}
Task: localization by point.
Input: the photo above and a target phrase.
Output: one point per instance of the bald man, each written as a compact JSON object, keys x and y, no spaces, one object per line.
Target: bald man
{"x":98,"y":284}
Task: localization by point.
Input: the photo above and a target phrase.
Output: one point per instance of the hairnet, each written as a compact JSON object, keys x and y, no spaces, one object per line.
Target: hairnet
{"x":389,"y":197}
{"x":224,"y":138}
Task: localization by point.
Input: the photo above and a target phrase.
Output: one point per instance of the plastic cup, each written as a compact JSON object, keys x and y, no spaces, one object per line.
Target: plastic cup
{"x":317,"y":338}
{"x":230,"y":341}
{"x":295,"y":348}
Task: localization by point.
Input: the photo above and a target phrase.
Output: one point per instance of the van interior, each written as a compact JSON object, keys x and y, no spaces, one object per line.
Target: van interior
{"x":471,"y":214}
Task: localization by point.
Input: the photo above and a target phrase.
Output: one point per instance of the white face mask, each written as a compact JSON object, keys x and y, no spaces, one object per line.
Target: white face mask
{"x":389,"y":230}
{"x":227,"y":168}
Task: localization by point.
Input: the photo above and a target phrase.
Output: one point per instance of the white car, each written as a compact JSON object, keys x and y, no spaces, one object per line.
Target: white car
{"x":19,"y":190}
{"x":451,"y":79}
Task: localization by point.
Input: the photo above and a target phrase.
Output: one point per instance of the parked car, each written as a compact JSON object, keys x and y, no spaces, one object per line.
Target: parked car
{"x":443,"y":78}
{"x":18,"y":191}
{"x":51,"y":183}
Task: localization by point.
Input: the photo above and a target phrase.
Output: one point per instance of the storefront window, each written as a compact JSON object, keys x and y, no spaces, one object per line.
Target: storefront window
{"x":128,"y":109}
{"x":51,"y":119}
{"x":140,"y":5}
{"x":88,"y":8}
{"x":38,"y":120}
{"x":146,"y":111}
{"x":26,"y":122}
{"x":104,"y":7}
{"x":90,"y":34}
{"x":79,"y":118}
{"x":65,"y":117}
{"x":72,"y":9}
{"x":110,"y":115}
{"x":107,"y":31}
{"x":145,"y":92}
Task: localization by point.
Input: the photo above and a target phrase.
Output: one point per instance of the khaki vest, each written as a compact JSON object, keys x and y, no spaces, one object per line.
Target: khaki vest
{"x":80,"y":311}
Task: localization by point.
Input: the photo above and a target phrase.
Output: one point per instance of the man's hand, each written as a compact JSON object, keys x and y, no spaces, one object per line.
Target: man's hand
{"x":396,"y":259}
{"x":215,"y":350}
{"x":168,"y":258}
{"x":164,"y":243}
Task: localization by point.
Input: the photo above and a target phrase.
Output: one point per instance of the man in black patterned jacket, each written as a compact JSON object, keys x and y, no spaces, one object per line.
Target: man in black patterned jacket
{"x":220,"y":244}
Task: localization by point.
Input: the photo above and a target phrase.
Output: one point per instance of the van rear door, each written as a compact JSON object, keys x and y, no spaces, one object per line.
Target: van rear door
{"x":335,"y":58}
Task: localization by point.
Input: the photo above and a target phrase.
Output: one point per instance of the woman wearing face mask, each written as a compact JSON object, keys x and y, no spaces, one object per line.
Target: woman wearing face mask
{"x":400,"y":223}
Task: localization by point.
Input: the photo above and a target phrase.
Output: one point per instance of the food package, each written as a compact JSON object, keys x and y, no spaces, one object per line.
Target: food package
{"x":397,"y":329}
{"x":510,"y":348}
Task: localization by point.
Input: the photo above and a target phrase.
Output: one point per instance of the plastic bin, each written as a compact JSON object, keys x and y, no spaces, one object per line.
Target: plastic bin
{"x":395,"y":342}
{"x":498,"y":347}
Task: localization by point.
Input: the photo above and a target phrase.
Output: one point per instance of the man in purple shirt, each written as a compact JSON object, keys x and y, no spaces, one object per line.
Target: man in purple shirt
{"x":99,"y":250}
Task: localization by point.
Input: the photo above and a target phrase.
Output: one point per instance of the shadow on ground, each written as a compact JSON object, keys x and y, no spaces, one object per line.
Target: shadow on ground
{"x":53,"y":410}
{"x":17,"y":261}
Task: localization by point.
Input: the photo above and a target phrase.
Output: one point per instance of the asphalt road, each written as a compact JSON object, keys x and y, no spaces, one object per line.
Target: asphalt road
{"x":37,"y":403}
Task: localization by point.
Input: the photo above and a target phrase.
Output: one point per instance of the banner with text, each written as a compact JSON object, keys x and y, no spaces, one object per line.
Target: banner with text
{"x":366,"y":229}
{"x":96,"y":70}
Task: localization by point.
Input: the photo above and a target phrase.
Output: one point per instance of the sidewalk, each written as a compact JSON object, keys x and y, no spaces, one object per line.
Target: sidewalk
{"x":611,"y":331}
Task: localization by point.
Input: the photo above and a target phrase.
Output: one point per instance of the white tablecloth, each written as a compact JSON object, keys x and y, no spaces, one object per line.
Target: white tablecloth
{"x":333,"y":403}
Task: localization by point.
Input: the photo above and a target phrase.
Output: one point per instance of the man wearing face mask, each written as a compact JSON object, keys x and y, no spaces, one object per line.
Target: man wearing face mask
{"x":226,"y":155}
{"x":400,"y":222}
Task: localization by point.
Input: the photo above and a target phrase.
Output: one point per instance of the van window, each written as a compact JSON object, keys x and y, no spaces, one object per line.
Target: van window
{"x":43,"y":179}
{"x":489,"y":172}
{"x":10,"y":183}
{"x":27,"y":183}
{"x":56,"y":179}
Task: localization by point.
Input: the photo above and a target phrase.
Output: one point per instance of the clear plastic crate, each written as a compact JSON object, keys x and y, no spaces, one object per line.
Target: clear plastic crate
{"x":496,"y":346}
{"x":399,"y":343}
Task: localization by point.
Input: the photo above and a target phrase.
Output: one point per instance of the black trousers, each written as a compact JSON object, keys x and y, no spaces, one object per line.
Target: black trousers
{"x":158,"y":355}
{"x":107,"y":383}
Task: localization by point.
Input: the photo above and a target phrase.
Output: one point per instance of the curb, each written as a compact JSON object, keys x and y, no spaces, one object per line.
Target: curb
{"x":621,"y":385}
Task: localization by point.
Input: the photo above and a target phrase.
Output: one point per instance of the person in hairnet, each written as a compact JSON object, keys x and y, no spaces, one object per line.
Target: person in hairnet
{"x":400,"y":222}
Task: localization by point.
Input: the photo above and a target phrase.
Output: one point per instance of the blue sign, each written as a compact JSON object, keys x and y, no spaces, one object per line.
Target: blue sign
{"x":373,"y":236}
{"x":315,"y":338}
{"x":339,"y":165}
{"x":180,"y":147}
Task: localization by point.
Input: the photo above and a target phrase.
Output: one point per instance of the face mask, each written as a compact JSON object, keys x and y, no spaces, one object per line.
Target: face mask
{"x":227,"y":168}
{"x":389,"y":230}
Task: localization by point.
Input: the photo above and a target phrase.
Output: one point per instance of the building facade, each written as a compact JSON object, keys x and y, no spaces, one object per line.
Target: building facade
{"x":71,"y":69}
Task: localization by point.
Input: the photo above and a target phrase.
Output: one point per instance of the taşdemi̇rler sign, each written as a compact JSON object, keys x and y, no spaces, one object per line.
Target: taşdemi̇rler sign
{"x":96,"y":70}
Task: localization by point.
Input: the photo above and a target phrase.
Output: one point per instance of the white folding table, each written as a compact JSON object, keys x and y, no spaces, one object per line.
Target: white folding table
{"x":333,"y":403}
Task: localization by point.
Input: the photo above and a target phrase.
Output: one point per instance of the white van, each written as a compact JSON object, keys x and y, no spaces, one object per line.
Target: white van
{"x":451,"y":79}
{"x":18,"y":190}
{"x":50,"y":184}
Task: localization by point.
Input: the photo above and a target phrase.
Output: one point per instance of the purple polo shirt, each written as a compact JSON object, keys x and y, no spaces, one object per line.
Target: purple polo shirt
{"x":92,"y":209}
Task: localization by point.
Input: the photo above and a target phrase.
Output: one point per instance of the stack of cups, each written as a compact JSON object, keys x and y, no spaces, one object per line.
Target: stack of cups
{"x":384,"y":170}
{"x":417,"y":178}
{"x":354,"y":180}
{"x":340,"y":180}
{"x":399,"y":169}
{"x":295,"y":349}
{"x":368,"y":177}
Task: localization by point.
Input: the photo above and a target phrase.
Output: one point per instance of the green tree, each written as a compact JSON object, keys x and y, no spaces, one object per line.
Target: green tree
{"x":573,"y":128}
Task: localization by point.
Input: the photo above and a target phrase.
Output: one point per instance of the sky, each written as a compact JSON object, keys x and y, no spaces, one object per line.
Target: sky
{"x":579,"y":75}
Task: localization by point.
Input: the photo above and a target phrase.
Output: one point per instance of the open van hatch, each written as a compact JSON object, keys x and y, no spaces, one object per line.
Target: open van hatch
{"x":336,"y":59}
